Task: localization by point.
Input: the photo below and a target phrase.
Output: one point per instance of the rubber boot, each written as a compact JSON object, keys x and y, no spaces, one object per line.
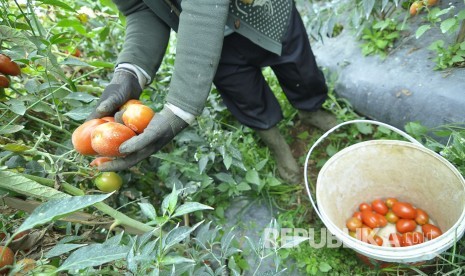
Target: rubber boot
{"x":321,"y":119}
{"x":287,"y":166}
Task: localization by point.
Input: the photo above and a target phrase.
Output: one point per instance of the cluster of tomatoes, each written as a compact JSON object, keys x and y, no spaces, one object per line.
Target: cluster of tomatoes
{"x":412,"y":225}
{"x":7,"y":68}
{"x":416,"y":6}
{"x":104,"y":136}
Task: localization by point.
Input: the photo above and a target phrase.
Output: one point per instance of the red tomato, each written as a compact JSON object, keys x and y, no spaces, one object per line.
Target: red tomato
{"x":431,"y":231}
{"x":391,"y":217}
{"x":370,"y":219}
{"x":364,"y":207}
{"x":379,"y":206}
{"x":382,"y":221}
{"x":422,"y":217}
{"x":405,"y":225}
{"x":411,"y":238}
{"x":390,"y":202}
{"x":376,"y":240}
{"x":404,"y":210}
{"x":394,"y":239}
{"x":353,"y":223}
{"x":357,"y":215}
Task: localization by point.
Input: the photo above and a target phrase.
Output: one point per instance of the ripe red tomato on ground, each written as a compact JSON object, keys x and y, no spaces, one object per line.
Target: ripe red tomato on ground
{"x":404,"y":210}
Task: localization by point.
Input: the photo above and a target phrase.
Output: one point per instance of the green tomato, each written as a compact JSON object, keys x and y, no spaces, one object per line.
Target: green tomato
{"x":108,"y":181}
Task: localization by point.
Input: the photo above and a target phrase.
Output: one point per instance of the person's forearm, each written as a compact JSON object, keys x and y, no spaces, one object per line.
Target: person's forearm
{"x":198,"y":50}
{"x":146,"y":36}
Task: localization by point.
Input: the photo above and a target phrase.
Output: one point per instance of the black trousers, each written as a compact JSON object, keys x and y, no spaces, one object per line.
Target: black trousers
{"x":246,"y":94}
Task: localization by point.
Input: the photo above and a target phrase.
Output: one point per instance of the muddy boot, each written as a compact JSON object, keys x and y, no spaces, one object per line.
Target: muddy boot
{"x":321,"y":119}
{"x":287,"y":166}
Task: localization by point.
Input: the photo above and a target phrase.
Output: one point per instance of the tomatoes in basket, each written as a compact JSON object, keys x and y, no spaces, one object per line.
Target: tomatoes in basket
{"x":405,"y":225}
{"x":411,"y":238}
{"x":353,"y":224}
{"x":431,"y":231}
{"x":379,"y":207}
{"x":391,"y":217}
{"x":370,"y":219}
{"x":404,"y":210}
{"x":422,"y":217}
{"x":395,"y":239}
{"x":364,"y":207}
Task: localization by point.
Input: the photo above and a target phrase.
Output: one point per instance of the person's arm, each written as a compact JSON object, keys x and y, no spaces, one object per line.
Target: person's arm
{"x":143,"y":50}
{"x":198,"y":50}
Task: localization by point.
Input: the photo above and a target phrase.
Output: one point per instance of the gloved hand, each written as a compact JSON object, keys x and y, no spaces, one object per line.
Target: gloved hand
{"x":161,"y":130}
{"x":123,"y":86}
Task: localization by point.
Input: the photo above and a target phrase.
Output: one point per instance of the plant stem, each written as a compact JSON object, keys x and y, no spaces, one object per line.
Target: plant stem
{"x":461,"y":35}
{"x":47,"y":124}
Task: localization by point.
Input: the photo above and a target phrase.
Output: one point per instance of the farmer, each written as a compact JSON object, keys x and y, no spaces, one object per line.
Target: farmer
{"x":222,"y":42}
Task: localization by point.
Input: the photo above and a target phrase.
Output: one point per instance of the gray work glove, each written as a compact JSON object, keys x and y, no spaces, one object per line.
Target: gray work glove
{"x":123,"y":86}
{"x":160,"y":131}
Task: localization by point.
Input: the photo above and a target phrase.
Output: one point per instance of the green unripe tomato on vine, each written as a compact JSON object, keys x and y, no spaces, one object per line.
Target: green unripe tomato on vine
{"x":108,"y":181}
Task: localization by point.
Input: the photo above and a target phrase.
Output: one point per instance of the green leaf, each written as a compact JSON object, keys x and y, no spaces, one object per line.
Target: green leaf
{"x":102,"y":64}
{"x":421,"y":30}
{"x":416,"y":129}
{"x":177,"y":235}
{"x":57,"y":208}
{"x":17,"y":106}
{"x":10,"y":129}
{"x":17,"y":183}
{"x":364,"y":128}
{"x":73,"y":61}
{"x":61,"y":249}
{"x":252,"y":177}
{"x":461,"y":15}
{"x":58,"y":4}
{"x":368,"y":7}
{"x":324,"y":267}
{"x":171,"y":260}
{"x":15,"y":147}
{"x":190,"y":207}
{"x":93,"y":255}
{"x":448,"y":24}
{"x":79,"y":114}
{"x":243,"y":187}
{"x":169,"y":202}
{"x":148,"y":210}
{"x":79,"y":96}
{"x":224,"y":177}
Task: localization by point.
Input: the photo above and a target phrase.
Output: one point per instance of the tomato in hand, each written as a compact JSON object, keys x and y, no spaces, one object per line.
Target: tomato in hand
{"x":422,"y":217}
{"x":353,"y":223}
{"x":364,"y":207}
{"x":431,"y":231}
{"x":379,"y":207}
{"x":405,"y":225}
{"x":370,"y":219}
{"x":404,"y":210}
{"x":108,"y":181}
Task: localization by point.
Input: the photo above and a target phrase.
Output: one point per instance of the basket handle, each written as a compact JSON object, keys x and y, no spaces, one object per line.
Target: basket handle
{"x":398,"y":131}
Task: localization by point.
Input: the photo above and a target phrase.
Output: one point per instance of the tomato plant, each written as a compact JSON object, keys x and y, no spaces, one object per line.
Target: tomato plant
{"x":108,"y":181}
